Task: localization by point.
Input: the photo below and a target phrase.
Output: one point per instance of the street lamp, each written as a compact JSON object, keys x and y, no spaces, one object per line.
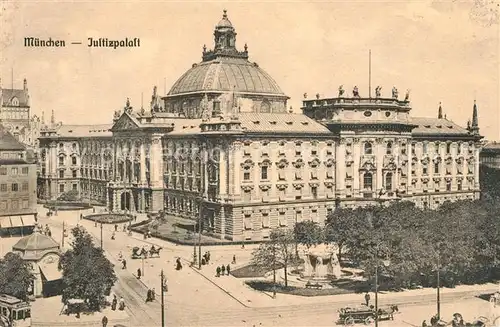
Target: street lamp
{"x":438,"y":295}
{"x":163,"y":289}
{"x":101,"y":236}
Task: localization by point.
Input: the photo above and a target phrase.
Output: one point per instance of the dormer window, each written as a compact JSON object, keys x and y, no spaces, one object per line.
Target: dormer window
{"x":368,"y":148}
{"x":15,"y":101}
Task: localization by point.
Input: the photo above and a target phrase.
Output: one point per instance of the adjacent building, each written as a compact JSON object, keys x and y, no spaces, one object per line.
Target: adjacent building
{"x":490,"y":155}
{"x":222,"y":147}
{"x":17,"y":187}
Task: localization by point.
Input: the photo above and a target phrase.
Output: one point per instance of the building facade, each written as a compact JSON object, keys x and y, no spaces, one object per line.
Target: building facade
{"x":17,"y":187}
{"x":222,"y":147}
{"x":490,"y":155}
{"x":16,"y":116}
{"x":75,"y":158}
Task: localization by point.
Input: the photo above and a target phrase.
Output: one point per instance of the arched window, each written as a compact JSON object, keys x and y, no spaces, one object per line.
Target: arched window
{"x":388,"y":181}
{"x":265,"y":107}
{"x":368,"y":148}
{"x":389,"y":148}
{"x":368,"y":181}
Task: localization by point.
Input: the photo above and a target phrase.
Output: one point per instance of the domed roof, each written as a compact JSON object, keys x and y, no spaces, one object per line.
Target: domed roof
{"x":35,"y":242}
{"x":224,"y":22}
{"x":226,"y":74}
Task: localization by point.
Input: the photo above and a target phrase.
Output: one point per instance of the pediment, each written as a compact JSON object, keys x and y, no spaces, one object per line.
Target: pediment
{"x":124,"y":123}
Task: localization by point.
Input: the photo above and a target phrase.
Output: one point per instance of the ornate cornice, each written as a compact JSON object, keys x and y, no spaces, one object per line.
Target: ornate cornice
{"x":448,"y":178}
{"x":329,"y":184}
{"x":298,"y":186}
{"x":314,"y":163}
{"x":425,"y":180}
{"x":282,"y":163}
{"x":281,"y":186}
{"x":265,"y":187}
{"x":470,"y":178}
{"x":314,"y":184}
{"x":247,"y":164}
{"x":436,"y":179}
{"x":298,"y":163}
{"x":437,"y":160}
{"x":470,"y":160}
{"x":265,"y":163}
{"x":459,"y":160}
{"x":329,"y":162}
{"x":425,"y":160}
{"x":247,"y":187}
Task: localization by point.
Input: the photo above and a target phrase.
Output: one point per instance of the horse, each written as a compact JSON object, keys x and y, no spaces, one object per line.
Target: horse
{"x":153,"y":251}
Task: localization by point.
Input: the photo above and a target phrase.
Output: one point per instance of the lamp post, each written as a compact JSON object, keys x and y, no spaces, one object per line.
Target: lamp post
{"x":63,"y":230}
{"x":101,"y":236}
{"x":199,"y":232}
{"x":163,"y":289}
{"x":438,"y":295}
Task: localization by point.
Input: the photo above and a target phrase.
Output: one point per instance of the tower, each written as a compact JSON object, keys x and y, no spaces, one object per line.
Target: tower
{"x":475,"y":124}
{"x":224,"y":34}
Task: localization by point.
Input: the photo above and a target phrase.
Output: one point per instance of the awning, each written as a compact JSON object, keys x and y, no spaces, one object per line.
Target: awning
{"x":16,"y":221}
{"x":51,"y":271}
{"x":28,"y":220}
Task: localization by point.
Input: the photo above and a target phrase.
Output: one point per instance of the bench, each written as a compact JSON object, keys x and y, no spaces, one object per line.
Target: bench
{"x":316,"y":286}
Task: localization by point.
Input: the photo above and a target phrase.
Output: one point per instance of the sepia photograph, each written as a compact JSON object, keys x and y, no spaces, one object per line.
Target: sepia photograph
{"x":250,"y":163}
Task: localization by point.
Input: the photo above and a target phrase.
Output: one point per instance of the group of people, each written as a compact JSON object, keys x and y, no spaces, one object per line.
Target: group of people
{"x":222,"y":270}
{"x":206,"y":258}
{"x":45,"y":231}
{"x":150,"y":296}
{"x":115,"y":303}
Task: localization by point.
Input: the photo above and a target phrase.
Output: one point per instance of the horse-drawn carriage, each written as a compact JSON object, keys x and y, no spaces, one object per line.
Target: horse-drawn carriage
{"x":138,"y":253}
{"x":349,"y":316}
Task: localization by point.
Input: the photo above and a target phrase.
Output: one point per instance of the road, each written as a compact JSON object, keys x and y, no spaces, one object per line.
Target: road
{"x":194,"y":301}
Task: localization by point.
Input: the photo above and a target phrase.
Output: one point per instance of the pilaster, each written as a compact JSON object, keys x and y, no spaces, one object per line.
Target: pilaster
{"x":340,"y":171}
{"x":379,"y":153}
{"x":357,"y":165}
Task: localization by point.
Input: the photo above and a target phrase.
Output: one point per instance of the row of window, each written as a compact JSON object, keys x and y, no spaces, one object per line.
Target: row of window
{"x":369,"y":149}
{"x":14,"y":187}
{"x":62,"y":188}
{"x":14,"y":171}
{"x":14,"y":204}
{"x":62,"y":160}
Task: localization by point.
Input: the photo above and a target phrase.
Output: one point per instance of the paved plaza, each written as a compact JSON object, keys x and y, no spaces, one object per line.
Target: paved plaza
{"x":199,"y":298}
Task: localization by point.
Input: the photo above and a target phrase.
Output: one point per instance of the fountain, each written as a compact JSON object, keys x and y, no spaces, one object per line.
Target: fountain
{"x":321,"y":264}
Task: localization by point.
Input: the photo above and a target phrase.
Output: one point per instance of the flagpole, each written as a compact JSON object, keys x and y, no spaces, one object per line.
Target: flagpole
{"x":370,"y":74}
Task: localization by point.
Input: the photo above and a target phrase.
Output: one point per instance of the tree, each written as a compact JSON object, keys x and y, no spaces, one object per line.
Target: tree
{"x":276,"y":253}
{"x":308,"y":233}
{"x":15,"y":276}
{"x":70,"y":196}
{"x":87,"y":273}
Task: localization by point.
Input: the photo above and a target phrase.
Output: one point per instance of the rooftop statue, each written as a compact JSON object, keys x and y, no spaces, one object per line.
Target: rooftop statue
{"x":341,"y":91}
{"x":317,"y":96}
{"x":305,"y":95}
{"x":407,"y":96}
{"x":394,"y":92}
{"x":355,"y":92}
{"x":378,"y":90}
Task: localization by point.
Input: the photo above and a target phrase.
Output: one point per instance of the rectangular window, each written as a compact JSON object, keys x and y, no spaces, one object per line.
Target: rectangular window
{"x":3,"y":205}
{"x":73,"y":173}
{"x":282,"y":219}
{"x":459,"y":186}
{"x":14,"y":204}
{"x":283,"y":194}
{"x":265,"y":220}
{"x":25,"y":170}
{"x":424,"y":147}
{"x":75,"y":187}
{"x":424,"y":170}
{"x":25,"y":204}
{"x":436,"y":168}
{"x":3,"y":187}
{"x":24,"y":187}
{"x":298,"y":174}
{"x":246,"y":176}
{"x":314,"y":174}
{"x":61,"y":173}
{"x":248,"y":222}
{"x":448,"y":187}
{"x":61,"y":161}
{"x":314,"y":152}
{"x":263,"y":174}
{"x":61,"y":188}
{"x":297,"y":152}
{"x":73,"y":160}
{"x":13,"y":171}
{"x":247,"y":196}
{"x":14,"y":187}
{"x":314,"y":192}
{"x":448,"y":148}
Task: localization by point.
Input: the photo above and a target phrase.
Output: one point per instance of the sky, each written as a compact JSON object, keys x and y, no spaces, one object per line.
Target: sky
{"x":445,"y":51}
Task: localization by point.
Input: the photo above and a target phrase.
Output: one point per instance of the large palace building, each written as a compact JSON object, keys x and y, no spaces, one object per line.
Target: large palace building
{"x":222,"y":147}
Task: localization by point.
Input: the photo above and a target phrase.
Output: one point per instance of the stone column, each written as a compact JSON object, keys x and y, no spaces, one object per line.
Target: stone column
{"x":340,"y":168}
{"x":379,"y":162}
{"x":156,"y":173}
{"x":235,"y":167}
{"x":454,"y":167}
{"x":204,"y":172}
{"x":143,"y":165}
{"x":357,"y":164}
{"x":223,"y":171}
{"x":395,"y":153}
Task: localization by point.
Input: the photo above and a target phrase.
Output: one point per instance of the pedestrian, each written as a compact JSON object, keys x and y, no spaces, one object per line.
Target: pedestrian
{"x":124,"y":228}
{"x":116,"y":227}
{"x":153,"y":294}
{"x":242,"y":245}
{"x":114,"y":303}
{"x":424,"y":323}
{"x":223,"y":269}
{"x":124,"y":262}
{"x":113,"y":236}
{"x":179,"y":264}
{"x":234,"y":259}
{"x":104,"y":321}
{"x":228,"y":269}
{"x":217,"y":271}
{"x":138,"y":273}
{"x":148,"y":296}
{"x":367,"y":299}
{"x":122,"y":304}
{"x":81,"y":216}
